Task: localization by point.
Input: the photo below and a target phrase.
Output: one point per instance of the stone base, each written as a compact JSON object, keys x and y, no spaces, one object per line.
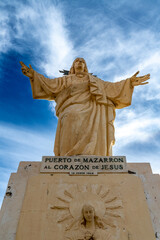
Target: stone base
{"x":42,"y":206}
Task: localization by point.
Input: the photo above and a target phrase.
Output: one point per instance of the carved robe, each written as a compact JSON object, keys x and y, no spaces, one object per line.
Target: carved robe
{"x":86,"y":111}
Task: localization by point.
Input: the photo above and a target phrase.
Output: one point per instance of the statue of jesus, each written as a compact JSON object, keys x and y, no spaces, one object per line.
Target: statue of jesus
{"x":85,"y":107}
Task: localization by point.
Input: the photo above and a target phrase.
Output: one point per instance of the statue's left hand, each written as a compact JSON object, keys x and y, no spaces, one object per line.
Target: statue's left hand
{"x":136,"y":81}
{"x":27,"y":71}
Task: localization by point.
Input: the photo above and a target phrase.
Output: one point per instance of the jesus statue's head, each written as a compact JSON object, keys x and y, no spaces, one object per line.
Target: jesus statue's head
{"x":79,"y":66}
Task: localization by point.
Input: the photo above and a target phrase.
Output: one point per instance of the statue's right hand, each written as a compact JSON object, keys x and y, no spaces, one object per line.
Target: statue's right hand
{"x":27,"y":71}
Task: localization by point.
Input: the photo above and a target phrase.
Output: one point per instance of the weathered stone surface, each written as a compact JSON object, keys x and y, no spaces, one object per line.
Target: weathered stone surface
{"x":29,"y":168}
{"x":152,"y":192}
{"x":11,"y":208}
{"x":140,"y":168}
{"x":47,"y":199}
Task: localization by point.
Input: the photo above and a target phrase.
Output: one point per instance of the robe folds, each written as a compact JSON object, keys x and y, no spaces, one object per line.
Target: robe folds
{"x":85,"y":111}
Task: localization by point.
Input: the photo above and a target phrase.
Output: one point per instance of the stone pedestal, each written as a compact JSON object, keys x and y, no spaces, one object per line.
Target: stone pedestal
{"x":48,"y":206}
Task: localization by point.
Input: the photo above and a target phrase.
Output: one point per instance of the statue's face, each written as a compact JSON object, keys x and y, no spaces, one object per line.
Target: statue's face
{"x":88,"y":213}
{"x":79,"y":65}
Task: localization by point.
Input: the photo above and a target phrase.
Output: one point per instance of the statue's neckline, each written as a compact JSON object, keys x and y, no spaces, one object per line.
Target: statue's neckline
{"x":85,"y":78}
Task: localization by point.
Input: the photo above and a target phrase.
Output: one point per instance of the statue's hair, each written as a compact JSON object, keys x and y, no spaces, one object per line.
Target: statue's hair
{"x":72,"y":70}
{"x":98,"y":221}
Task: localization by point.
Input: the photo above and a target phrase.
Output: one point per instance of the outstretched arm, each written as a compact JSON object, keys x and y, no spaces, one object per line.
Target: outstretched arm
{"x":39,"y":90}
{"x":42,"y":87}
{"x":136,"y":81}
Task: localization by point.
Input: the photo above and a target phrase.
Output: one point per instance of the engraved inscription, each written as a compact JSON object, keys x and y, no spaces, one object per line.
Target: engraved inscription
{"x":83,"y":165}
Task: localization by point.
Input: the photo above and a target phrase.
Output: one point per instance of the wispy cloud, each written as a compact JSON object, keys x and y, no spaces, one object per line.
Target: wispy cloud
{"x":41,"y":26}
{"x":132,"y":126}
{"x":115,"y":54}
{"x":24,"y":144}
{"x":5,"y":39}
{"x":52,"y":105}
{"x":138,"y":135}
{"x":119,"y":55}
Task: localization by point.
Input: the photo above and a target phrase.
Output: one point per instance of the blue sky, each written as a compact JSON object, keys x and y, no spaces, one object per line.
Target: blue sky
{"x":116,"y":38}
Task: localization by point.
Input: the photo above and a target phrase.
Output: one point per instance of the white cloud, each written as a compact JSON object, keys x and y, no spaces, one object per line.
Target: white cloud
{"x":5,"y":40}
{"x":25,"y":144}
{"x":114,"y":54}
{"x":41,"y":26}
{"x":137,"y":135}
{"x":133,"y":127}
{"x":52,"y":105}
{"x":126,"y":52}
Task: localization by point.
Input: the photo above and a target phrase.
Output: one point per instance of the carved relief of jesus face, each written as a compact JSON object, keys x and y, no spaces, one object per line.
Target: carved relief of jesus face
{"x":79,"y":65}
{"x":88,"y":213}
